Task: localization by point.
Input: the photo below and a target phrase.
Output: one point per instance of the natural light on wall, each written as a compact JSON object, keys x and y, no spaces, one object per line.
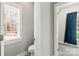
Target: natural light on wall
{"x":11,"y":22}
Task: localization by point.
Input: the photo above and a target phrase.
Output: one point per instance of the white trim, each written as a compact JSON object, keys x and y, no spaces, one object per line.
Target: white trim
{"x":70,"y":45}
{"x":37,"y":28}
{"x":12,"y":41}
{"x":2,"y":48}
{"x":55,"y":30}
{"x":23,"y":53}
{"x":64,"y":4}
{"x":2,"y":42}
{"x":56,"y":10}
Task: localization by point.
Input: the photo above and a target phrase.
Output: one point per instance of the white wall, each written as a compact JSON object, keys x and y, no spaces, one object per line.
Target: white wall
{"x":43,"y":25}
{"x":28,"y":31}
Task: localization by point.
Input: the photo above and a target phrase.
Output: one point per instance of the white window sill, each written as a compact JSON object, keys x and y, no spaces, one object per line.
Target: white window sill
{"x":71,"y":45}
{"x":6,"y":42}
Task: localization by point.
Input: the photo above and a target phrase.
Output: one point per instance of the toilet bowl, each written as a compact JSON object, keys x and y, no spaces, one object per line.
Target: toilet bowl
{"x":31,"y":50}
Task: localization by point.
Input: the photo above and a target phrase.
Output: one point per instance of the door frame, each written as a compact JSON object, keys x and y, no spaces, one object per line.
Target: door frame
{"x":56,"y":21}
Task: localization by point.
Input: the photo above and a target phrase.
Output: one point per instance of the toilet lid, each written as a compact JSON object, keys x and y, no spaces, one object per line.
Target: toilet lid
{"x":31,"y":47}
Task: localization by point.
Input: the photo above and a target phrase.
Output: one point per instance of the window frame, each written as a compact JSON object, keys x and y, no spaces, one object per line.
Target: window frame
{"x":57,"y":7}
{"x":2,"y":26}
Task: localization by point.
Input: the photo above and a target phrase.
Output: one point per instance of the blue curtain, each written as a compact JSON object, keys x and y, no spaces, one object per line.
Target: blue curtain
{"x":70,"y":31}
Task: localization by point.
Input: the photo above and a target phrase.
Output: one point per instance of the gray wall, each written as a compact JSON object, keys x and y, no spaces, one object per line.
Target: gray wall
{"x":45,"y":16}
{"x":28,"y":31}
{"x":52,"y":27}
{"x":0,"y":48}
{"x":0,"y":27}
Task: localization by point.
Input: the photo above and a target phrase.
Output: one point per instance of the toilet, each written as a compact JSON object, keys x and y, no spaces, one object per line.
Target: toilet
{"x":31,"y":50}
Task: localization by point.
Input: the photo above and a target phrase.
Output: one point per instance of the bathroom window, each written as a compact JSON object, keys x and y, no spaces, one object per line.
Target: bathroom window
{"x":11,"y":22}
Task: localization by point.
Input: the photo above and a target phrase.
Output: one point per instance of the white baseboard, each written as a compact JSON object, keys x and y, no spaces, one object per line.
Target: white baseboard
{"x":23,"y":53}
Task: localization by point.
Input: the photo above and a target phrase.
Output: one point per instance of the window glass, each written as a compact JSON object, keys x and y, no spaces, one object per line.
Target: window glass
{"x":11,"y":22}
